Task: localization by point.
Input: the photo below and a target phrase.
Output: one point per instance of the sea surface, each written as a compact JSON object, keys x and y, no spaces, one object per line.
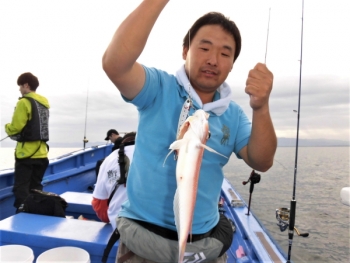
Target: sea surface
{"x":7,"y":159}
{"x":321,"y":174}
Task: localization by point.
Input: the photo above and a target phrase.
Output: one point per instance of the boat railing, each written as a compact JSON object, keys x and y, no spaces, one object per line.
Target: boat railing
{"x":59,"y":168}
{"x":253,"y":232}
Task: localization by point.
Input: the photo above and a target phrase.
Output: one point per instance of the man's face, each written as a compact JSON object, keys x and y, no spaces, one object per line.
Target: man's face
{"x":24,"y":89}
{"x":113,"y":137}
{"x":209,"y":59}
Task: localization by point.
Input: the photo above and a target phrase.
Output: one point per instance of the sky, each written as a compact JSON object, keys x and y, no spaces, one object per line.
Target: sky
{"x":62,"y":43}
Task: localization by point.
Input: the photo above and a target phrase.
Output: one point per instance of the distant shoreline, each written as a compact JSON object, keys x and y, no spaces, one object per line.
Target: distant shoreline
{"x":88,"y":146}
{"x":281,"y":142}
{"x":314,"y":146}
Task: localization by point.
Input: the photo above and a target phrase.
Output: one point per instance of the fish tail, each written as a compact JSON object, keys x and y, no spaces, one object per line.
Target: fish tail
{"x":181,"y":253}
{"x":182,"y":240}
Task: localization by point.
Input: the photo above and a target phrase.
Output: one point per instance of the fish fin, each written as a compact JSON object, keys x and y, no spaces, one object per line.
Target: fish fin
{"x":183,"y":129}
{"x":173,"y":147}
{"x":212,"y":150}
{"x":177,"y":144}
{"x":176,"y":211}
{"x":166,"y":157}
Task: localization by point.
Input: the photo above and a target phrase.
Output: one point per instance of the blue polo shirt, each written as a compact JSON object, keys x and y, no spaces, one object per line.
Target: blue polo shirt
{"x":151,"y":186}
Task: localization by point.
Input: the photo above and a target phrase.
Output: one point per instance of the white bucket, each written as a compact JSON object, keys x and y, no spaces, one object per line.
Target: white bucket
{"x":345,"y":195}
{"x":16,"y":253}
{"x":64,"y":254}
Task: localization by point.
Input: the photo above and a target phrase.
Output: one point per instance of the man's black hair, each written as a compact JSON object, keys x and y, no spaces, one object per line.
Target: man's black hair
{"x":129,"y":137}
{"x":30,"y":79}
{"x":215,"y":18}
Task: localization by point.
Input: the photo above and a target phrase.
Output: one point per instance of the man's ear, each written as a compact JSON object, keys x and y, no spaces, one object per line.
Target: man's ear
{"x":184,"y":53}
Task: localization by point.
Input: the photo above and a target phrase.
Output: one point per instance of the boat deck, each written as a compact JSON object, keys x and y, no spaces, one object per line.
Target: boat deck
{"x":42,"y":233}
{"x":71,"y":175}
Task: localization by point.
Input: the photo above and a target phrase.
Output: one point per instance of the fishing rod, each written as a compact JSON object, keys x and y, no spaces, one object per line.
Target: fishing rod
{"x":4,"y":138}
{"x":267,"y":37}
{"x":293,"y":202}
{"x":254,"y":177}
{"x":85,"y":141}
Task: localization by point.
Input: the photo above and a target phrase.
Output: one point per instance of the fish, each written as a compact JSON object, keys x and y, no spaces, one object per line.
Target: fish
{"x":189,"y":147}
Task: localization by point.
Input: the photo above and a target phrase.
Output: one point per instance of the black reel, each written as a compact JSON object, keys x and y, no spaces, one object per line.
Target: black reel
{"x":254,"y":178}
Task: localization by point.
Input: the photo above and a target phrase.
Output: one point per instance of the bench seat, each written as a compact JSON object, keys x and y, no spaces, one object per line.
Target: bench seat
{"x":79,"y":204}
{"x":42,"y":233}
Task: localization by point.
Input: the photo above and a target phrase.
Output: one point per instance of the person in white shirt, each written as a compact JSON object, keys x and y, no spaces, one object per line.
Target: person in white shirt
{"x":106,"y":205}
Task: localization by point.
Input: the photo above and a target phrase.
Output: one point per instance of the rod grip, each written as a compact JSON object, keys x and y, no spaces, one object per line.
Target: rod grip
{"x":293,"y":204}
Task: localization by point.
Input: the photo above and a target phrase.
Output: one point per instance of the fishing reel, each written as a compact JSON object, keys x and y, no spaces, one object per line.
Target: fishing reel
{"x":254,"y":178}
{"x":85,"y":141}
{"x":282,"y":216}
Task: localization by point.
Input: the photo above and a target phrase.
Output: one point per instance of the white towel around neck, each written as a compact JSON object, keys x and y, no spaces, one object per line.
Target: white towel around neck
{"x":218,"y":107}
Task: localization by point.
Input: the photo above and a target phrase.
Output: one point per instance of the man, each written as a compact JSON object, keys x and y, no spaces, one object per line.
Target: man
{"x":106,"y":204}
{"x":209,"y":50}
{"x":30,"y":128}
{"x":114,"y":137}
{"x":110,"y":189}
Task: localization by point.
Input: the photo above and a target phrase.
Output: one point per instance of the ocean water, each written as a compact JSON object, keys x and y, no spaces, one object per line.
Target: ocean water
{"x":321,"y":173}
{"x":7,"y":159}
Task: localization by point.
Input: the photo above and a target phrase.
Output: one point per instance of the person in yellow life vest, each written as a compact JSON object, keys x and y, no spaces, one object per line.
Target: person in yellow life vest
{"x":30,"y":128}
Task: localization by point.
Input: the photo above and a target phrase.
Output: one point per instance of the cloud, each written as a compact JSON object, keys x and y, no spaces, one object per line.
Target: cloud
{"x":105,"y":110}
{"x":63,"y":44}
{"x":324,"y":106}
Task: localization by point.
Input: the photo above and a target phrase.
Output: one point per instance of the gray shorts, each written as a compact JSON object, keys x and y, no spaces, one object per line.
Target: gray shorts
{"x":137,"y":244}
{"x":125,"y":255}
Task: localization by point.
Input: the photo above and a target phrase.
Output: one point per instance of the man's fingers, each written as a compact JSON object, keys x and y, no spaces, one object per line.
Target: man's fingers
{"x":249,"y":88}
{"x":260,"y":72}
{"x":262,"y":68}
{"x":259,"y":85}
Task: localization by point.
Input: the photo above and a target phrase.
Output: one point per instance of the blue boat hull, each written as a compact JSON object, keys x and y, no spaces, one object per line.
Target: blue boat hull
{"x":75,"y":172}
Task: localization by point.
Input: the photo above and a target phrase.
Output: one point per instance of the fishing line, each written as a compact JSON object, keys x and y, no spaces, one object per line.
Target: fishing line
{"x":293,"y":201}
{"x":4,"y":138}
{"x":267,"y":37}
{"x":280,"y":164}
